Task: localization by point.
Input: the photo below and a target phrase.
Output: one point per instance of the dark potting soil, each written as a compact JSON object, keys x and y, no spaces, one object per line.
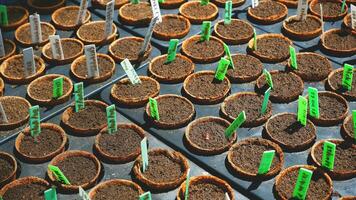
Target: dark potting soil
{"x":196,"y":10}
{"x":93,"y":31}
{"x":104,"y":64}
{"x":128,"y":48}
{"x":330,"y":9}
{"x":70,"y":48}
{"x":171,"y":24}
{"x":43,"y":89}
{"x":44,"y":3}
{"x":206,"y":190}
{"x":8,"y":47}
{"x":268,"y":9}
{"x":92,"y":116}
{"x":122,"y":143}
{"x":25,"y":34}
{"x":177,"y":69}
{"x":271,"y":46}
{"x":247,"y":68}
{"x":116,"y":192}
{"x":16,"y":68}
{"x":47,"y":142}
{"x":140,"y":11}
{"x":126,"y":90}
{"x":205,"y":86}
{"x":308,"y":25}
{"x":335,"y":81}
{"x":350,"y":128}
{"x":6,"y":168}
{"x":313,"y":67}
{"x":204,"y":49}
{"x":14,"y":15}
{"x":340,"y":40}
{"x":15,"y":109}
{"x":168,"y":112}
{"x":69,"y":16}
{"x":331,"y":107}
{"x":78,"y":169}
{"x":26,"y":191}
{"x":236,"y":30}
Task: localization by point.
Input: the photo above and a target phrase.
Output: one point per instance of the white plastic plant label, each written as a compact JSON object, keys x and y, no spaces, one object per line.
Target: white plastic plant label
{"x":254,"y":3}
{"x":322,"y":17}
{"x":56,"y":47}
{"x":130,"y":71}
{"x":35,"y":25}
{"x":148,"y":36}
{"x":3,"y":117}
{"x":82,"y":11}
{"x":156,"y":10}
{"x":302,"y":9}
{"x":29,"y":61}
{"x":109,"y":18}
{"x":83,"y":194}
{"x":2,"y":48}
{"x":91,"y":60}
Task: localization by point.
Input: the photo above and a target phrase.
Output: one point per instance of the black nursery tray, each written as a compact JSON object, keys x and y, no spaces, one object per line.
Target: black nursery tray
{"x":89,"y":89}
{"x":217,"y":164}
{"x":110,"y":171}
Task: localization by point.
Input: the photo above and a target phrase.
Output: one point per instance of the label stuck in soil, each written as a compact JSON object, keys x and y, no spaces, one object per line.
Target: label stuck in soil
{"x":328,"y":158}
{"x":146,"y":196}
{"x":130,"y":71}
{"x":266,"y":162}
{"x":347,"y":75}
{"x":265,"y":101}
{"x":144,"y":154}
{"x":57,"y":87}
{"x":50,"y":194}
{"x":35,"y":25}
{"x":254,"y":40}
{"x":3,"y":117}
{"x":186,"y":193}
{"x":58,"y":174}
{"x":148,"y":36}
{"x":222,"y":69}
{"x":79,"y":96}
{"x":29,"y":61}
{"x":302,"y":184}
{"x":227,"y":197}
{"x":302,"y":110}
{"x":228,"y":12}
{"x":2,"y":47}
{"x":354,"y":123}
{"x":35,"y":120}
{"x":254,"y":3}
{"x":343,"y":6}
{"x":4,"y":20}
{"x":293,"y":58}
{"x":204,"y":2}
{"x":240,"y":119}
{"x":228,"y":54}
{"x":205,"y":31}
{"x":172,"y":50}
{"x":82,"y":11}
{"x":135,"y":1}
{"x":154,"y":109}
{"x":83,"y":194}
{"x":268,"y":78}
{"x":111,"y":119}
{"x":313,"y":102}
{"x":302,"y":9}
{"x":156,"y":10}
{"x":109,"y":15}
{"x":91,"y":61}
{"x":322,"y":18}
{"x":56,"y":47}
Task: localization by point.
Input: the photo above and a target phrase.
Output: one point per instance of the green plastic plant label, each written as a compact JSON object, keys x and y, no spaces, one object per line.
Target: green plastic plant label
{"x":58,"y":174}
{"x":205,"y":31}
{"x":328,"y":158}
{"x":144,"y":154}
{"x":146,"y":196}
{"x":266,"y":161}
{"x":293,"y":57}
{"x":254,"y":40}
{"x":343,"y":6}
{"x":130,"y":71}
{"x":347,"y":76}
{"x":111,"y":119}
{"x":1,"y":198}
{"x":135,"y":1}
{"x":354,"y":123}
{"x":313,"y":102}
{"x":240,"y":119}
{"x":302,"y":184}
{"x":57,"y":87}
{"x":154,"y":109}
{"x":35,"y":119}
{"x":222,"y":69}
{"x":268,"y":78}
{"x":172,"y":50}
{"x":302,"y":110}
{"x":50,"y":194}
{"x":79,"y":96}
{"x":265,"y":101}
{"x":3,"y":117}
{"x":4,"y":20}
{"x":228,"y":12}
{"x":82,"y":194}
{"x":186,"y":193}
{"x":161,"y":1}
{"x":204,"y":2}
{"x":228,"y":54}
